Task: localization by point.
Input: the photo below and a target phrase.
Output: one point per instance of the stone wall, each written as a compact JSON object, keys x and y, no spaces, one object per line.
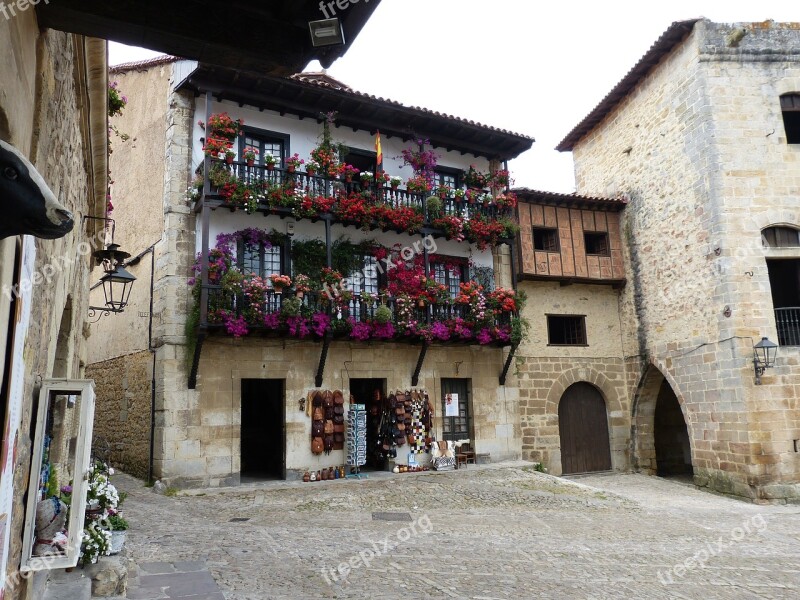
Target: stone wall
{"x":48,"y":80}
{"x":199,"y":445}
{"x":699,"y":149}
{"x":122,"y":410}
{"x":545,"y":372}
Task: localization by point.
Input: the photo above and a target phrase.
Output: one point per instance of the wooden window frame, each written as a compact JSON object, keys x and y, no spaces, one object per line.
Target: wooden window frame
{"x":549,"y":231}
{"x":584,"y":340}
{"x":596,"y":235}
{"x":266,"y":135}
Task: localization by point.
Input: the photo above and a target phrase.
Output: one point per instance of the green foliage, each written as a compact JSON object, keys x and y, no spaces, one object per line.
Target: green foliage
{"x":117,"y":523}
{"x":519,"y":330}
{"x":309,"y":257}
{"x":290,"y":307}
{"x":52,"y":482}
{"x":171,"y":491}
{"x":434,"y":205}
{"x":383,"y":314}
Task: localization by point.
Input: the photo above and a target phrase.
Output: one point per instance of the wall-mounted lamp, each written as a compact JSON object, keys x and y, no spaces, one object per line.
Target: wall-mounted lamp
{"x":117,"y":281}
{"x":326,"y":32}
{"x":764,"y":353}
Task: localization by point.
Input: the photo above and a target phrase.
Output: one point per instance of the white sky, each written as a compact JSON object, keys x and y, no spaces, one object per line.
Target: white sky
{"x":531,"y":66}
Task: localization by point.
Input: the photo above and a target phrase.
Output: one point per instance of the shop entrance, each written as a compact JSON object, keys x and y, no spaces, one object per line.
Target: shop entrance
{"x":263,"y":433}
{"x":364,"y":392}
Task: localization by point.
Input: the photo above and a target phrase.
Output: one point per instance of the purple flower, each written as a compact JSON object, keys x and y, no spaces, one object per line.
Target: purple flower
{"x":361,"y":331}
{"x":321,"y":324}
{"x":383,"y":331}
{"x":272,"y":320}
{"x":440,"y":331}
{"x":298,"y":326}
{"x":484,"y":336}
{"x":235,"y":326}
{"x":66,"y":489}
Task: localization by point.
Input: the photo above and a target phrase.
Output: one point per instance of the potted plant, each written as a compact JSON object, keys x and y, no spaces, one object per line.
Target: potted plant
{"x":279,"y":282}
{"x":293,"y":163}
{"x":229,"y":156}
{"x":383,"y":314}
{"x":250,"y":155}
{"x":290,"y":307}
{"x":312,"y":167}
{"x":349,"y":171}
{"x":119,"y":531}
{"x":418,"y":185}
{"x":443,"y":191}
{"x":270,"y":161}
{"x":434,"y":207}
{"x":474,"y":178}
{"x":395,"y":182}
{"x":302,"y":284}
{"x":366,"y":177}
{"x":459,"y":195}
{"x":216,"y":147}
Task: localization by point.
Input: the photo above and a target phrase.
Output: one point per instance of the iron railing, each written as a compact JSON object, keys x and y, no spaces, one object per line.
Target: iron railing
{"x":788,"y":321}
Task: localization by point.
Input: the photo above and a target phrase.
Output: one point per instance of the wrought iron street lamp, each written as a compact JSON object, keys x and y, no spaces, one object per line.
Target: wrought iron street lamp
{"x":764,"y":353}
{"x":117,"y":281}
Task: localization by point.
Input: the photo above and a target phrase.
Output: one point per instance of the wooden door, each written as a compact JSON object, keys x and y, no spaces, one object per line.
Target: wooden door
{"x":583,"y":426}
{"x":460,"y":427}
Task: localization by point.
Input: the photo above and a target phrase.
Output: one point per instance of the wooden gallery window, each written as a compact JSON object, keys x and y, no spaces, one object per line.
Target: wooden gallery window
{"x":545,"y":239}
{"x":596,"y":242}
{"x":451,"y":274}
{"x":780,"y":237}
{"x":790,"y":107}
{"x":260,"y":260}
{"x":566,"y":330}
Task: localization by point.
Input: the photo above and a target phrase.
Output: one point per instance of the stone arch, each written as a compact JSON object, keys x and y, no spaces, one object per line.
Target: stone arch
{"x":618,"y":423}
{"x":62,"y":364}
{"x":643,"y":413}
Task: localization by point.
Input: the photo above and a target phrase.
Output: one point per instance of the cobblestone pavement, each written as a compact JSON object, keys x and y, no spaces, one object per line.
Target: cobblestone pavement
{"x":504,"y":531}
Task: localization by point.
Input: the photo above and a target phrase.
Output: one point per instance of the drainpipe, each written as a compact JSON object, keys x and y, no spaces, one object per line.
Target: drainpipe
{"x":134,"y":261}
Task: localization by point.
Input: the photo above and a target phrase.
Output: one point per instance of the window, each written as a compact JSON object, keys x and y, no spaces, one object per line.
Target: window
{"x":363,"y":160}
{"x":273,"y":143}
{"x":566,"y":330}
{"x":449,"y":274}
{"x":545,"y":239}
{"x":364,"y":280}
{"x":790,"y":107}
{"x":259,"y":260}
{"x":780,"y":237}
{"x":596,"y":242}
{"x":448,"y":177}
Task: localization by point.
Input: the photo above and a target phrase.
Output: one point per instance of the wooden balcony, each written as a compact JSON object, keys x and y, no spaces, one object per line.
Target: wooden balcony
{"x":237,"y":186}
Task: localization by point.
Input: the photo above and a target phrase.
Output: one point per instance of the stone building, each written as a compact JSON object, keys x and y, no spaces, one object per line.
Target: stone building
{"x":53,"y":110}
{"x":227,"y":405}
{"x":701,"y":138}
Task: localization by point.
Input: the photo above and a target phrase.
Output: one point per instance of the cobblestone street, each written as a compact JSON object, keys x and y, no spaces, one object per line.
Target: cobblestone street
{"x":503,"y":531}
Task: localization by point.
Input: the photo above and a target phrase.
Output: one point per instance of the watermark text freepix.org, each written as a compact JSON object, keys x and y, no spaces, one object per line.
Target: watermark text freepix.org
{"x":329,"y":8}
{"x":10,"y":10}
{"x":353,"y":283}
{"x":698,"y":559}
{"x":421,"y":526}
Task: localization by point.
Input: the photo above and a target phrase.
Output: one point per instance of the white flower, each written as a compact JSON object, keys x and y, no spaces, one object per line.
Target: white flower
{"x":110,"y":470}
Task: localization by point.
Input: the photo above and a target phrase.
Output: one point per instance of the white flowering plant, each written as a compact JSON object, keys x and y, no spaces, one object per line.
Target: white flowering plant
{"x":95,"y":542}
{"x":102,"y":499}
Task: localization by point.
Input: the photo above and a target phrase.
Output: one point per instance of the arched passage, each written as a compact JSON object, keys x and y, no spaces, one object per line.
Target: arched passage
{"x":583,"y":429}
{"x":671,"y":436}
{"x":660,"y":435}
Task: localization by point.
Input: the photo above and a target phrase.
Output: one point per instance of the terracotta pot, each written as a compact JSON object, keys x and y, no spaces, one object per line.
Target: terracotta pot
{"x":277,"y":289}
{"x":311,"y":172}
{"x":270,"y":166}
{"x":299,"y":293}
{"x":394,"y":187}
{"x":348,"y":178}
{"x":290,"y":169}
{"x":251,"y":162}
{"x":421,"y":303}
{"x":229,"y":159}
{"x":306,"y":477}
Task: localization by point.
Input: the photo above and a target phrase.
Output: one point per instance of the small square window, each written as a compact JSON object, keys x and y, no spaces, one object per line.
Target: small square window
{"x":545,"y":239}
{"x":566,"y":330}
{"x":596,"y":243}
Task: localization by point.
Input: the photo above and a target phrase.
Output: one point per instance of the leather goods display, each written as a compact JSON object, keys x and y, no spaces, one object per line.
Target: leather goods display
{"x":326,"y":415}
{"x":317,"y":445}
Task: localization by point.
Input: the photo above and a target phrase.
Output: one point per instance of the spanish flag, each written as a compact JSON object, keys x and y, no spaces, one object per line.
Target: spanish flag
{"x":378,"y":154}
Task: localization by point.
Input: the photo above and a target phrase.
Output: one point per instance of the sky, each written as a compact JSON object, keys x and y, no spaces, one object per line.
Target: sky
{"x":530,"y":66}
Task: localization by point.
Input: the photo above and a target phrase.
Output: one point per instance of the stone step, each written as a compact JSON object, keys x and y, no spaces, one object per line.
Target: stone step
{"x":67,"y":586}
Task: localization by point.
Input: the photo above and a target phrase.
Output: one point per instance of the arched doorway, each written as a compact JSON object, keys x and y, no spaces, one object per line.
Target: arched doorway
{"x":671,"y":436}
{"x":583,"y":428}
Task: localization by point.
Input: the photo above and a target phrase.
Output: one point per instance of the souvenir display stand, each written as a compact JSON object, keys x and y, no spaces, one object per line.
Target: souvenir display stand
{"x":357,"y":439}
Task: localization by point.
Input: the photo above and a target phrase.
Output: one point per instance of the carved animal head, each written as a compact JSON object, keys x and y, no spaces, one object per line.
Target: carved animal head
{"x":30,"y":208}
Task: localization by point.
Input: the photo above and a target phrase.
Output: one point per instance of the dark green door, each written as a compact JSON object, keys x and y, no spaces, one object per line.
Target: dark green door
{"x":460,"y":427}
